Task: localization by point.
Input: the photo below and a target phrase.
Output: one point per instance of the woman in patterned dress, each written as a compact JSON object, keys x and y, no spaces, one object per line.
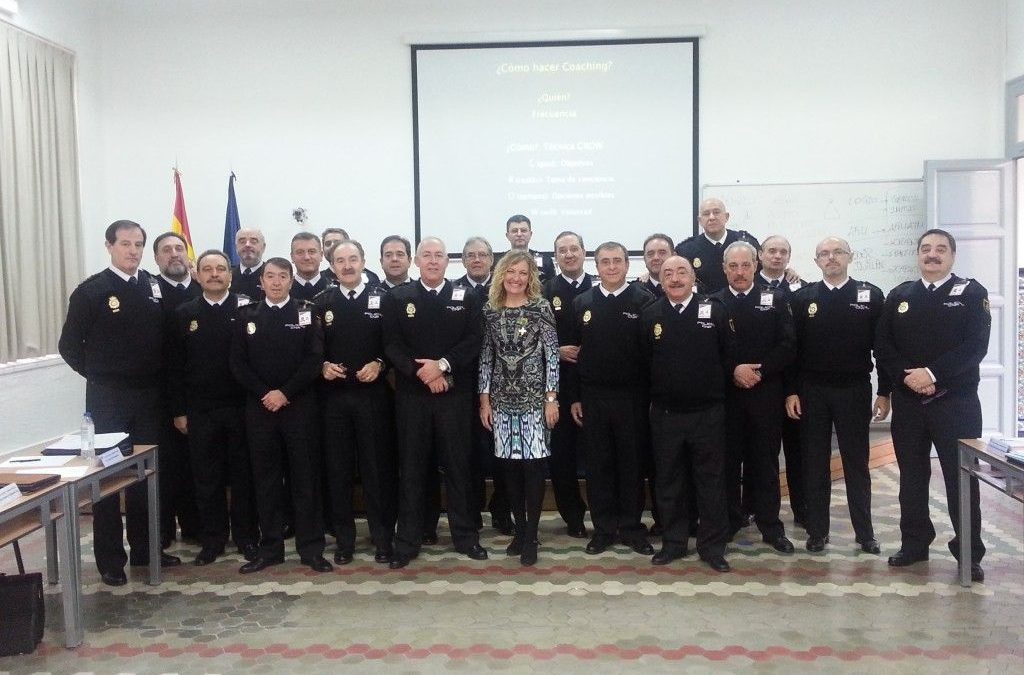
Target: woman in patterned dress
{"x":519,"y":390}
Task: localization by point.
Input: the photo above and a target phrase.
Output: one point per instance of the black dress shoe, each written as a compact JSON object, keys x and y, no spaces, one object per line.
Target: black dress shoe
{"x":474,"y":552}
{"x":288,"y":531}
{"x":319,"y":563}
{"x":577,"y":531}
{"x":342,"y":557}
{"x":118,"y":578}
{"x":259,"y":564}
{"x":656,"y":530}
{"x":717,"y":563}
{"x":398,"y":561}
{"x":641,"y":546}
{"x":667,"y":555}
{"x":816,"y":544}
{"x":528,"y":558}
{"x":206,"y":556}
{"x":515,"y":547}
{"x":249,"y":551}
{"x":598,"y":544}
{"x":782,"y":544}
{"x":166,"y":560}
{"x":382,"y":555}
{"x":870,"y":546}
{"x":503,"y":524}
{"x":430,"y":538}
{"x":903,"y":558}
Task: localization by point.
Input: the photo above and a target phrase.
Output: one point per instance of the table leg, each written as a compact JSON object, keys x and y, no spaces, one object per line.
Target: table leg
{"x":50,"y":534}
{"x":153,"y":491}
{"x":965,"y":515}
{"x":66,"y":532}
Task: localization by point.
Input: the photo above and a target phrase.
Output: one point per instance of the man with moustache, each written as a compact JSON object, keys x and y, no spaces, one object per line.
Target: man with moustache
{"x":208,"y":406}
{"x":358,"y":411}
{"x":704,"y":250}
{"x":478,"y":258}
{"x":561,"y":291}
{"x":245,"y":277}
{"x":519,"y":231}
{"x":395,"y":259}
{"x":307,"y":255}
{"x":276,"y":355}
{"x":333,"y":236}
{"x":612,"y":402}
{"x":763,"y":348}
{"x":830,"y":385}
{"x":931,"y":339}
{"x":177,"y":495}
{"x":687,"y":341}
{"x":113,"y":337}
{"x":433,"y":332}
{"x":774,"y":256}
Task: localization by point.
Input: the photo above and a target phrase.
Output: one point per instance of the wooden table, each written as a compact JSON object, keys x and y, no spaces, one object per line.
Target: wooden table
{"x":994,"y":470}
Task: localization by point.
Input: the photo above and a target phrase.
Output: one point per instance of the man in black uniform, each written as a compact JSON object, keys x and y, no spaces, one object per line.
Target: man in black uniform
{"x":657,"y":249}
{"x":245,"y":277}
{"x":478,"y":258}
{"x":561,"y":291}
{"x":704,"y":251}
{"x":358,"y":409}
{"x":276,"y":355}
{"x":432,"y":333}
{"x":931,"y":338}
{"x":113,"y":337}
{"x":177,"y":495}
{"x":519,"y":231}
{"x":612,"y":402}
{"x":774,"y":257}
{"x":208,"y":406}
{"x":332,"y":236}
{"x":686,"y":347}
{"x":307,"y":256}
{"x":395,"y":259}
{"x":830,"y":384}
{"x":764,"y":347}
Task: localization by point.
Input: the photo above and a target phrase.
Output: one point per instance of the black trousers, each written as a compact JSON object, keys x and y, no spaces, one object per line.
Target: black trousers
{"x":525,"y":481}
{"x":440,"y":422}
{"x":615,"y":430}
{"x":485,"y":465}
{"x":689,"y":450}
{"x":792,"y":450}
{"x":274,"y":438}
{"x":915,"y":428}
{"x":136,"y":411}
{"x":849,"y":409}
{"x":220,"y":459}
{"x":177,"y":488}
{"x":753,"y":437}
{"x":562,"y":467}
{"x":359,"y":433}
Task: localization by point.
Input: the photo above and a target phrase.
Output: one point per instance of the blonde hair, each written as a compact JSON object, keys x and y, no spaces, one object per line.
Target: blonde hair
{"x":496,"y":296}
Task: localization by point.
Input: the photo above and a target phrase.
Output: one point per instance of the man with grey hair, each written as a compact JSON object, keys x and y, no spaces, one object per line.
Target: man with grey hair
{"x":245,"y":277}
{"x":830,"y":384}
{"x":763,"y":348}
{"x":704,"y":250}
{"x":477,"y":258}
{"x":433,"y":331}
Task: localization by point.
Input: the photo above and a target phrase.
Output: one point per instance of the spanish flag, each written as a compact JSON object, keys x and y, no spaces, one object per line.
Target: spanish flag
{"x":179,"y":222}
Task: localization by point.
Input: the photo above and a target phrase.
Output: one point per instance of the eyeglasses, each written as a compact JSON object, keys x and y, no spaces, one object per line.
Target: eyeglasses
{"x":476,"y":256}
{"x":837,"y":253}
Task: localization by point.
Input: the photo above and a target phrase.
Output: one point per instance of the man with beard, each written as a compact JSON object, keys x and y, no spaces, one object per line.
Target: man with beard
{"x":245,"y":277}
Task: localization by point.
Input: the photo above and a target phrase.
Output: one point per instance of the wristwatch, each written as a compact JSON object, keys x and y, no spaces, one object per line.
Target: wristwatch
{"x":551,"y":398}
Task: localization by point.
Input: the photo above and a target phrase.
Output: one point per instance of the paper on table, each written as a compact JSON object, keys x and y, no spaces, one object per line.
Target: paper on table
{"x":101,"y":441}
{"x":36,"y":461}
{"x":64,"y":472}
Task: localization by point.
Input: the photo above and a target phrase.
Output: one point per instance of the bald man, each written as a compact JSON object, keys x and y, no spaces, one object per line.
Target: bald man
{"x":704,"y":250}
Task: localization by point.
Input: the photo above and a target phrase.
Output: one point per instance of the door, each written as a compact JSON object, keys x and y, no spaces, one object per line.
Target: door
{"x":974,"y":201}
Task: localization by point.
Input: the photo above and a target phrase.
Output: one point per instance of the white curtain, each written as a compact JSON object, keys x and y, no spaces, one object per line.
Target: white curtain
{"x":40,"y":210}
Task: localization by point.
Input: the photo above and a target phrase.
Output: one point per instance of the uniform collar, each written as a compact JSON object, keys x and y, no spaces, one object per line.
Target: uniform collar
{"x":684,"y":304}
{"x":614,"y":293}
{"x":308,"y":282}
{"x":279,"y":305}
{"x":437,"y":288}
{"x":358,"y":289}
{"x":578,"y":280}
{"x":124,"y":277}
{"x":216,"y":302}
{"x":186,"y":282}
{"x":833,"y":287}
{"x":721,"y":241}
{"x":937,"y":283}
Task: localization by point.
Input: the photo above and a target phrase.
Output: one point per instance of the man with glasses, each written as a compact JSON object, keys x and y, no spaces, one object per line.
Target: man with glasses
{"x":830,"y":384}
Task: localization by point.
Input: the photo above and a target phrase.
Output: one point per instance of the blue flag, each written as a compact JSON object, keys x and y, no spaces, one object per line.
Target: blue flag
{"x":231,"y":224}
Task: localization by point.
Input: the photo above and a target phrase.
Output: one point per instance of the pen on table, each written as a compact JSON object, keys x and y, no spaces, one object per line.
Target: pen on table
{"x":24,"y":461}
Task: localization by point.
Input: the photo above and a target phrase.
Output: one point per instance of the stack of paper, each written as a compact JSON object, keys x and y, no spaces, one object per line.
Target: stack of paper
{"x":72,"y":444}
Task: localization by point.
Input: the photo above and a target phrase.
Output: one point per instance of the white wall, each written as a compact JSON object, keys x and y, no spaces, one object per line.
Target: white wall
{"x":1014,"y":39}
{"x":42,"y":400}
{"x":309,"y":102}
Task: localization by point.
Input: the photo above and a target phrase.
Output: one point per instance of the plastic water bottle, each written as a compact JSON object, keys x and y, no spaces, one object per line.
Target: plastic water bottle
{"x":88,"y":437}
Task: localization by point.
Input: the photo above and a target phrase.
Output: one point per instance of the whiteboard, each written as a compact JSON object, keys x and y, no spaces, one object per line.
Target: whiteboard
{"x":881,"y":219}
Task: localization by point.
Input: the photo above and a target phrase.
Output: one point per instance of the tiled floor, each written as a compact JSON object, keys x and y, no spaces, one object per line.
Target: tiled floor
{"x":841,"y":611}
